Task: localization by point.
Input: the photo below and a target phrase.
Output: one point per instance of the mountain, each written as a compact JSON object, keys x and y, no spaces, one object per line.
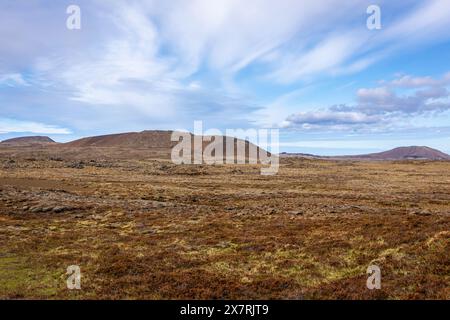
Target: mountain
{"x":298,"y":155}
{"x":401,"y":153}
{"x":135,"y":145}
{"x":153,"y":141}
{"x":28,"y":141}
{"x":144,"y":139}
{"x":160,"y":142}
{"x":406,"y":153}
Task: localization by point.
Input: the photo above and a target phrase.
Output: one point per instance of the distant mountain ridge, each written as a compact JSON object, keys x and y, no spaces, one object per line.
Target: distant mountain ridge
{"x":400,"y":153}
{"x":133,"y":144}
{"x":144,"y":139}
{"x":158,"y":139}
{"x":407,"y":153}
{"x":28,"y":141}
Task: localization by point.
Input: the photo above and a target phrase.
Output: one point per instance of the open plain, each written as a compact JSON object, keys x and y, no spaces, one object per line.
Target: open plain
{"x":141,"y":227}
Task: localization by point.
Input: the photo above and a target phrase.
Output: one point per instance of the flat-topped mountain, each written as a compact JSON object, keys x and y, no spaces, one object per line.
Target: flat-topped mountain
{"x":400,"y":153}
{"x":141,"y":140}
{"x":149,"y":143}
{"x":406,"y":153}
{"x":144,"y":139}
{"x":28,"y":141}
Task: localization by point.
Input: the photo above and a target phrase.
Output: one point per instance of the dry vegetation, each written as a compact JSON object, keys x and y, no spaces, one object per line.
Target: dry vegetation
{"x":148,"y":229}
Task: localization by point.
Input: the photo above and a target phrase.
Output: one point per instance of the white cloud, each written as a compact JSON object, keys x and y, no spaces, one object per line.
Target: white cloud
{"x":374,"y":94}
{"x":13,"y":80}
{"x":378,"y":109}
{"x":416,"y":82}
{"x":17,"y":126}
{"x":447,"y":76}
{"x":428,"y":22}
{"x":228,"y":35}
{"x":354,"y":49}
{"x":326,"y":56}
{"x":331,"y":120}
{"x":327,"y":117}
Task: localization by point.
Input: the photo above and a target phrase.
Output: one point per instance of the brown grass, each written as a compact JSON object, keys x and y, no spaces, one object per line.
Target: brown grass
{"x":148,"y":229}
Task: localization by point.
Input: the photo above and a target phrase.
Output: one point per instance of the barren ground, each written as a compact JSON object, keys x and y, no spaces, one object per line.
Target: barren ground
{"x":148,"y":229}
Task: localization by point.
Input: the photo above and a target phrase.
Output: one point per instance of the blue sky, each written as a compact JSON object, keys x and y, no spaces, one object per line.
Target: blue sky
{"x":311,"y":68}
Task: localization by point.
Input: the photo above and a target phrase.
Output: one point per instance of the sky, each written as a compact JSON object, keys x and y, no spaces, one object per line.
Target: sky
{"x":312,"y":69}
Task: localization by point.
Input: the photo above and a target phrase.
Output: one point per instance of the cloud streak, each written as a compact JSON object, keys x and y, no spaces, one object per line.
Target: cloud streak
{"x":12,"y":80}
{"x":15,"y":126}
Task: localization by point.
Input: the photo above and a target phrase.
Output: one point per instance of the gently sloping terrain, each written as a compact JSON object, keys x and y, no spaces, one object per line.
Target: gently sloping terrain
{"x":28,"y":141}
{"x":407,"y":153}
{"x":149,"y":229}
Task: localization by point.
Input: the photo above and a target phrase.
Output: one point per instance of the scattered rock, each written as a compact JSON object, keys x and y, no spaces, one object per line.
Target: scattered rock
{"x":114,"y":225}
{"x":76,"y":165}
{"x":223,"y":245}
{"x":60,"y":209}
{"x":422,"y":213}
{"x":147,"y":231}
{"x":296,"y":213}
{"x":159,"y":204}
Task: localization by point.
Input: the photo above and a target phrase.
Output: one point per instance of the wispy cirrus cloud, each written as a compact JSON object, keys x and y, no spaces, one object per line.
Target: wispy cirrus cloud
{"x":16,"y":126}
{"x":353,"y":49}
{"x":12,"y":80}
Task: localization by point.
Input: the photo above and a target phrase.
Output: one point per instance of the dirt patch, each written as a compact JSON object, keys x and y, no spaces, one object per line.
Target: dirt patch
{"x":38,"y":183}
